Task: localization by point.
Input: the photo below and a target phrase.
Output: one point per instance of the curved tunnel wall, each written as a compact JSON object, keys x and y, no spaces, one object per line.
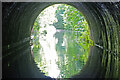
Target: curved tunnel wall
{"x":104,"y":23}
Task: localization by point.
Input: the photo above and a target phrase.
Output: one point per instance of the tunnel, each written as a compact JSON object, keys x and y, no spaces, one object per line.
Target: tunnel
{"x":103,"y":19}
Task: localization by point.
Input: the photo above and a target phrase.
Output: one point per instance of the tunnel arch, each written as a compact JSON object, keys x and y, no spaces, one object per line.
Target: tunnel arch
{"x":103,"y":21}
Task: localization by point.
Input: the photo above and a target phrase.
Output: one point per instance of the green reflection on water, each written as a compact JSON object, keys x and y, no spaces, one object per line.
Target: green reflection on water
{"x":70,"y":56}
{"x":60,"y":54}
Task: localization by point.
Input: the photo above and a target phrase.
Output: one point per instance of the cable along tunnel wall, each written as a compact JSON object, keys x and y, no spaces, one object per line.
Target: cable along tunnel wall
{"x":104,"y":24}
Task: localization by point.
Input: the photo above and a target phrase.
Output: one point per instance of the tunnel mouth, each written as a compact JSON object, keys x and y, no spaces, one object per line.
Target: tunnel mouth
{"x":60,"y":29}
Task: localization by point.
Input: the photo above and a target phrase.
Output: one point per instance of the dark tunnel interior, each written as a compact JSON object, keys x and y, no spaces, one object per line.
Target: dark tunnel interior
{"x":104,"y":23}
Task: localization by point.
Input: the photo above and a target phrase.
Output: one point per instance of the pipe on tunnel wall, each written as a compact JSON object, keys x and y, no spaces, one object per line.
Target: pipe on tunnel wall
{"x":104,"y":24}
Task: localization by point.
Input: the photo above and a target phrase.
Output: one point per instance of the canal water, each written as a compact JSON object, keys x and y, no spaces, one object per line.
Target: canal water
{"x":61,"y":53}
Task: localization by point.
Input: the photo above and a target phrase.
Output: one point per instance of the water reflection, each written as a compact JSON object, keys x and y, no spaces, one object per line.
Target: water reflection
{"x":48,"y":51}
{"x":61,"y":54}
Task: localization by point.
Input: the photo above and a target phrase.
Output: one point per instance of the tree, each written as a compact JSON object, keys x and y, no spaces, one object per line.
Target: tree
{"x":59,"y":24}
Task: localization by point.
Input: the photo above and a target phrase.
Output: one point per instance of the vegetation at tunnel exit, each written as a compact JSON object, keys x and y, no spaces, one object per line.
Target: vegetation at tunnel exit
{"x":68,"y":19}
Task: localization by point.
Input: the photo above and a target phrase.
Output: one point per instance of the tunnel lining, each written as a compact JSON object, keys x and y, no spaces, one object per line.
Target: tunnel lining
{"x":24,"y":14}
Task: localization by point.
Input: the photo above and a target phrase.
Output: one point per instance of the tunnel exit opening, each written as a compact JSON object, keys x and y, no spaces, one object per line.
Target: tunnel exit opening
{"x":60,"y":38}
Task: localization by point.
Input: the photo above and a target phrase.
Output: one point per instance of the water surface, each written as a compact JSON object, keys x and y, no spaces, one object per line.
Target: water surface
{"x":60,"y":55}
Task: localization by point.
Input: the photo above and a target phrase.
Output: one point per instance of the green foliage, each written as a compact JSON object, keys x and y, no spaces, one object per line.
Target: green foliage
{"x":35,"y":32}
{"x":35,"y":40}
{"x":75,"y":21}
{"x":73,"y":56}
